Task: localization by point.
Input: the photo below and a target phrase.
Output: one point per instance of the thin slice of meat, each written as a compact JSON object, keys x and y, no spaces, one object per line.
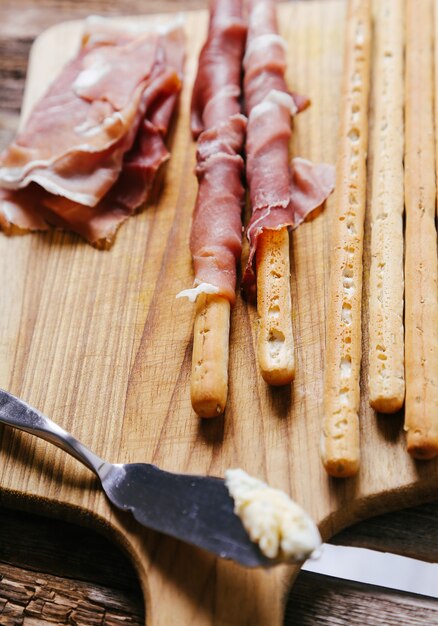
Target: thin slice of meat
{"x":131,"y":62}
{"x":216,"y":119}
{"x":216,"y":236}
{"x":267,"y":153}
{"x":99,"y":224}
{"x":96,"y":139}
{"x":280,"y":194}
{"x":310,"y":186}
{"x":216,"y":92}
{"x":74,"y":146}
{"x":19,"y":210}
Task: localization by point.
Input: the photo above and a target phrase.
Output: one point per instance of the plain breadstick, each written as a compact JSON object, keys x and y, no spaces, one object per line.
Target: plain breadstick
{"x":275,"y":346}
{"x":209,"y":381}
{"x":340,"y":427}
{"x":386,"y":334}
{"x":421,"y":292}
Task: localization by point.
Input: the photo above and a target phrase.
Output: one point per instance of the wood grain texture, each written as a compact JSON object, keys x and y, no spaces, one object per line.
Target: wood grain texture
{"x":98,"y":341}
{"x":29,"y":599}
{"x":42,"y":559}
{"x":374,"y":606}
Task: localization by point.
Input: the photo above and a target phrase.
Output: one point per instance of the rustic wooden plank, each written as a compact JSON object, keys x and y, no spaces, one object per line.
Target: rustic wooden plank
{"x":324,"y":601}
{"x":64,"y":550}
{"x":28,"y":18}
{"x":29,"y":598}
{"x":412,"y":532}
{"x":68,"y":557}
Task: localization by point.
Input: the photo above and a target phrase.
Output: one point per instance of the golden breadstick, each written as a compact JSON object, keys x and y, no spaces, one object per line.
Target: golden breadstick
{"x":209,"y":382}
{"x":340,"y":427}
{"x":275,"y":346}
{"x":421,"y":273}
{"x":386,"y":335}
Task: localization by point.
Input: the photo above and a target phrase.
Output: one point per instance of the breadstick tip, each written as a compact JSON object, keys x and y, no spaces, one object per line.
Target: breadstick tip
{"x":209,"y":402}
{"x":421,"y":446}
{"x":275,"y":346}
{"x":209,"y":381}
{"x":392,"y":403}
{"x":339,"y":445}
{"x":342,"y":468}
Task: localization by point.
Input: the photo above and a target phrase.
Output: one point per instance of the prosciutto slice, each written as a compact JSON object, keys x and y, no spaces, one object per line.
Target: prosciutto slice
{"x":216,"y":119}
{"x":100,"y":223}
{"x":19,"y":210}
{"x":92,"y":145}
{"x":73,"y":145}
{"x":281,"y":194}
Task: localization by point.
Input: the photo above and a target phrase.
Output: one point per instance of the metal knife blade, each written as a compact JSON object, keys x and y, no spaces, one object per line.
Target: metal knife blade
{"x":382,"y":569}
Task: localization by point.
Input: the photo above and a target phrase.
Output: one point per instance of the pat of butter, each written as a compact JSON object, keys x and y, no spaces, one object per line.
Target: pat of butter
{"x":279,"y":525}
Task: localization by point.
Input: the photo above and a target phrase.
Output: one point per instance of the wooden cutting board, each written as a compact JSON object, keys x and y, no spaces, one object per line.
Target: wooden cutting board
{"x":98,"y":341}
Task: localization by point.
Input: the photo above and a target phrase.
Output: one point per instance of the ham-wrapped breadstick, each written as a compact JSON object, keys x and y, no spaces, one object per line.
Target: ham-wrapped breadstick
{"x":421,"y":291}
{"x":280,"y":195}
{"x":216,"y":235}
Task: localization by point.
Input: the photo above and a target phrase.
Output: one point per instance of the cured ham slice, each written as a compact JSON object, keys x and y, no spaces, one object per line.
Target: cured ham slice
{"x":99,"y":224}
{"x":216,"y":237}
{"x":19,"y":210}
{"x":73,"y":145}
{"x":216,"y":93}
{"x":310,"y":186}
{"x":93,"y":144}
{"x":281,"y":194}
{"x":217,"y":121}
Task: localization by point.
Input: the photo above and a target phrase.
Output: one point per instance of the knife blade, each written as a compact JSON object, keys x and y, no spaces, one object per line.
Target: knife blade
{"x":381,"y":569}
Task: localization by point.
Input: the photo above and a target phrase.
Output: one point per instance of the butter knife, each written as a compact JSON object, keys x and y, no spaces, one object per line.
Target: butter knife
{"x":195,"y":509}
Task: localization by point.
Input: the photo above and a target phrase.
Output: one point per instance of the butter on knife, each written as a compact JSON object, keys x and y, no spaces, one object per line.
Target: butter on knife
{"x":282,"y":529}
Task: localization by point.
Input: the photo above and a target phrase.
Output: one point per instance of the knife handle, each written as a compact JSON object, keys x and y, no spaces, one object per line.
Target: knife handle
{"x":18,"y":414}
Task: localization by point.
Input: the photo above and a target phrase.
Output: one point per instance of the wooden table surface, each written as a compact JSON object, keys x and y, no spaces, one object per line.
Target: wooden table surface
{"x":54,"y":572}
